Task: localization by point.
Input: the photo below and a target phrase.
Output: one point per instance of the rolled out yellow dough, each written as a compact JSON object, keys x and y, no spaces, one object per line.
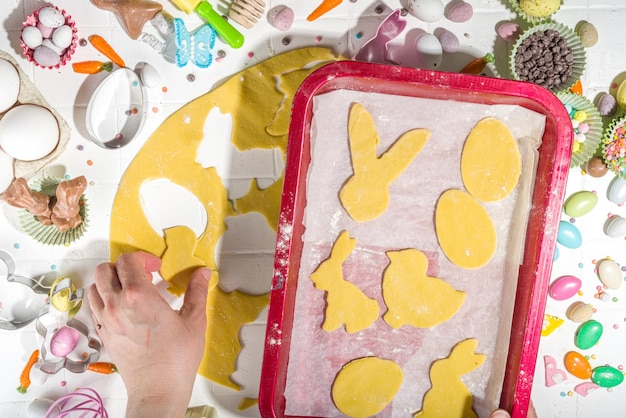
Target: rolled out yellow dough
{"x":260,"y":107}
{"x":465,"y":230}
{"x":490,"y":161}
{"x":365,"y":386}
{"x":365,"y":195}
{"x":412,"y":297}
{"x":345,"y":302}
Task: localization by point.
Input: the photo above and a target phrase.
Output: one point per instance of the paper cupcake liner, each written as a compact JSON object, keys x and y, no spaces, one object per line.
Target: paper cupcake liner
{"x":614,"y":146}
{"x":533,"y":20}
{"x":585,"y":149}
{"x":50,"y":234}
{"x":573,"y":42}
{"x":32,"y":20}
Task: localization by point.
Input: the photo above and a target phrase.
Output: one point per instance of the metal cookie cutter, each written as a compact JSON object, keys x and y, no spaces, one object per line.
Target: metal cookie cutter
{"x":34,"y":284}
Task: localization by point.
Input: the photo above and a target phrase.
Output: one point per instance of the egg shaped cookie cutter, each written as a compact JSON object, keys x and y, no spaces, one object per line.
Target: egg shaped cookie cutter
{"x":34,"y":284}
{"x":117,"y":109}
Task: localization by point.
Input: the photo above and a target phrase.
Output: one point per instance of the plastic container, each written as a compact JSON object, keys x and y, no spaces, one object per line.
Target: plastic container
{"x":539,"y":244}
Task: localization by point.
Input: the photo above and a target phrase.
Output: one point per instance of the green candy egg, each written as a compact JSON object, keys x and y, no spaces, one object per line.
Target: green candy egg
{"x":580,"y":203}
{"x":607,"y":376}
{"x":588,"y":334}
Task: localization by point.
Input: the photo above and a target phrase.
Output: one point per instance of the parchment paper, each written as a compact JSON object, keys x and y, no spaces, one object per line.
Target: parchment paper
{"x":486,"y":315}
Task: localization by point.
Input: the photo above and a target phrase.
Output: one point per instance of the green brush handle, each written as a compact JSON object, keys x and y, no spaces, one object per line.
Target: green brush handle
{"x":225,"y":30}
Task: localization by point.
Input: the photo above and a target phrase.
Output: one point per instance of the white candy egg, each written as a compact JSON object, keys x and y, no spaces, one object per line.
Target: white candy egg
{"x":62,"y":36}
{"x":51,"y":17}
{"x":32,"y":37}
{"x":426,"y":10}
{"x":429,"y":51}
{"x":9,"y":85}
{"x":6,"y":171}
{"x":28,"y":132}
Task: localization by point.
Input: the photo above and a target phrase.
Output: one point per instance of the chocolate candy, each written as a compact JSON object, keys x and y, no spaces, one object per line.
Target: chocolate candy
{"x":544,"y":59}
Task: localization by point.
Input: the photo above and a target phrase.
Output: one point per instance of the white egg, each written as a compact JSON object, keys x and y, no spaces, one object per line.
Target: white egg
{"x":6,"y":171}
{"x":426,"y":10}
{"x":32,"y":37}
{"x":28,"y":132}
{"x":429,"y":51}
{"x":62,"y":36}
{"x":9,"y":85}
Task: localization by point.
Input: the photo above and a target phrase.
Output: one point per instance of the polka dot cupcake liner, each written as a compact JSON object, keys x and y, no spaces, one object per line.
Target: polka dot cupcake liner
{"x":533,"y":20}
{"x":50,"y":234}
{"x":614,"y":146}
{"x":587,"y":124}
{"x":573,"y":42}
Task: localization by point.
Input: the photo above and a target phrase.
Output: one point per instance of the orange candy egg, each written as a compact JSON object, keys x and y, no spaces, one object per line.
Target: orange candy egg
{"x":577,"y":365}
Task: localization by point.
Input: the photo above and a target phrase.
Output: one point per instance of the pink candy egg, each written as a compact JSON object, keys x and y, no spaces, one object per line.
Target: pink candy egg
{"x":64,"y":341}
{"x":564,"y":287}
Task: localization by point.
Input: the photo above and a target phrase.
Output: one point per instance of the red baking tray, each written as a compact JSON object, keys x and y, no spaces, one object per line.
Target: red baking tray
{"x":534,"y":273}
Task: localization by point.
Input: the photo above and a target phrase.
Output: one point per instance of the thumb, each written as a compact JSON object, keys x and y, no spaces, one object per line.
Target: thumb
{"x":194,"y":303}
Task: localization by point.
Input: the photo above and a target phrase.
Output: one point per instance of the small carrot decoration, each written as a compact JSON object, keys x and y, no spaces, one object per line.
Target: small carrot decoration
{"x":325,"y":7}
{"x":102,"y":367}
{"x":92,"y":67}
{"x":477,"y":65}
{"x":577,"y":88}
{"x":103,"y":46}
{"x":25,"y":376}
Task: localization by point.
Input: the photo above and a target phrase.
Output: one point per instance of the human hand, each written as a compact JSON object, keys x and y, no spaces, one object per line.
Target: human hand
{"x":156,"y":349}
{"x":501,"y":413}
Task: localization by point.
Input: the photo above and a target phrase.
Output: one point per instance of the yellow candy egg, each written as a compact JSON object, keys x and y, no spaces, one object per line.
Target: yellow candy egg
{"x":539,"y":8}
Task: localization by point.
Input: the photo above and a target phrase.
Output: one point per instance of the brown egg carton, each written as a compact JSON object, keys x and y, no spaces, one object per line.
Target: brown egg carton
{"x":29,"y":94}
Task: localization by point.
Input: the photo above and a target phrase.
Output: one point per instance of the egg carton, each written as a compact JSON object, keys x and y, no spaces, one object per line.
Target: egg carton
{"x":29,"y":94}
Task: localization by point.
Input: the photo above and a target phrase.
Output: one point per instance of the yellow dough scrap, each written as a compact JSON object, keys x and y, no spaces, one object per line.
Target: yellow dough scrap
{"x":226,"y":314}
{"x":345,"y":303}
{"x":247,"y":403}
{"x":365,"y":195}
{"x":260,"y":107}
{"x":265,"y":201}
{"x":464,"y":229}
{"x":448,"y":396}
{"x":365,"y":386}
{"x":178,"y":259}
{"x":490,"y":161}
{"x":412,"y":297}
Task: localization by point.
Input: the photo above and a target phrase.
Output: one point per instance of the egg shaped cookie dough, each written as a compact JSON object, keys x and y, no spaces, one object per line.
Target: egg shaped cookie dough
{"x":365,"y":386}
{"x":464,"y":229}
{"x":490,"y":162}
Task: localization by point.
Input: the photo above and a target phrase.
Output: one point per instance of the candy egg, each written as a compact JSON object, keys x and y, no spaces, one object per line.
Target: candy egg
{"x":569,"y":235}
{"x":620,"y":95}
{"x":595,"y":167}
{"x":539,"y":8}
{"x":9,"y":85}
{"x":46,"y":57}
{"x":281,"y":17}
{"x":616,"y":192}
{"x":64,"y":341}
{"x":607,"y":105}
{"x":564,"y":287}
{"x":32,"y":37}
{"x":580,"y":203}
{"x":615,"y":226}
{"x":28,"y":132}
{"x":588,"y":34}
{"x":607,"y":376}
{"x":588,"y":334}
{"x":459,"y":12}
{"x":610,"y":273}
{"x":577,"y":365}
{"x":429,"y":51}
{"x":448,"y":40}
{"x":62,"y":36}
{"x":579,"y":312}
{"x":426,"y":10}
{"x":51,"y":17}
